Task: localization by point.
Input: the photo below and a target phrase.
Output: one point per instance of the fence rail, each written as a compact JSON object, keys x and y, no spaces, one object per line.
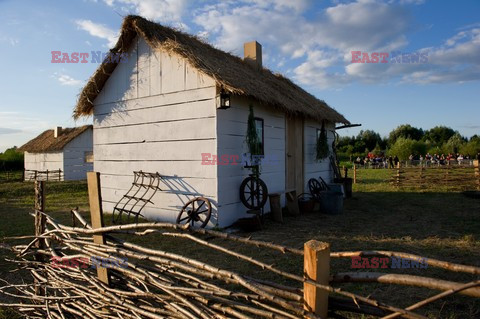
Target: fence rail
{"x":451,"y":177}
{"x":154,"y":283}
{"x":417,"y":163}
{"x":47,"y":175}
{"x":11,"y":175}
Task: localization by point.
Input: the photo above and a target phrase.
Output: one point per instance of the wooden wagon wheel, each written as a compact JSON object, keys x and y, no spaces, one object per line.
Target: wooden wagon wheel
{"x":253,"y":192}
{"x":196,"y":212}
{"x":315,"y":188}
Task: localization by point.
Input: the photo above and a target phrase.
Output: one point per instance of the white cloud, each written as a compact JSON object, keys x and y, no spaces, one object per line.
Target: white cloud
{"x":358,"y":25}
{"x":315,"y":48}
{"x":19,"y":121}
{"x":6,"y":130}
{"x":10,"y":40}
{"x":99,"y":31}
{"x":165,"y":11}
{"x":416,"y":2}
{"x":20,"y":127}
{"x":67,"y":80}
{"x":320,"y":42}
{"x":457,"y":61}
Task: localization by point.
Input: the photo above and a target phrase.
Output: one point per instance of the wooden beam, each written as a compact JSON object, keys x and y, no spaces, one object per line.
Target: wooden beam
{"x":276,"y":207}
{"x":40,"y":221}
{"x":96,"y":215}
{"x":477,"y":172}
{"x":347,"y":126}
{"x":40,"y":218}
{"x":354,"y":173}
{"x":316,"y":268}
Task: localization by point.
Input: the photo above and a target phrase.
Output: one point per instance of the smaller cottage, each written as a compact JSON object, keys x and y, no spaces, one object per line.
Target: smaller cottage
{"x":60,"y":154}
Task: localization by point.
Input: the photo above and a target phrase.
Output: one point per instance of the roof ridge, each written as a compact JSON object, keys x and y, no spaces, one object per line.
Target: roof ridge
{"x":46,"y":142}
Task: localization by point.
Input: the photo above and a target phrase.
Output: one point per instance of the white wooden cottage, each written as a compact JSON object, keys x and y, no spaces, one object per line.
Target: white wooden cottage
{"x":160,"y":110}
{"x":60,"y":154}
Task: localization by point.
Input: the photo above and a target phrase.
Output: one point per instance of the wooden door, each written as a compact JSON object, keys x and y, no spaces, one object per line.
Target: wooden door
{"x":294,"y":154}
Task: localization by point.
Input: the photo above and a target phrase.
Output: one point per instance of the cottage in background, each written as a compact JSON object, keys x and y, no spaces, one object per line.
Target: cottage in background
{"x":60,"y":154}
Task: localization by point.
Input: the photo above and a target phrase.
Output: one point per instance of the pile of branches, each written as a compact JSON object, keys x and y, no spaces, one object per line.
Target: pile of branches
{"x":158,"y":284}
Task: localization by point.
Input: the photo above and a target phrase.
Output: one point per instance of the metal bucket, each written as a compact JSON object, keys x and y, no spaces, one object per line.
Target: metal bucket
{"x":347,"y":185}
{"x":331,"y":202}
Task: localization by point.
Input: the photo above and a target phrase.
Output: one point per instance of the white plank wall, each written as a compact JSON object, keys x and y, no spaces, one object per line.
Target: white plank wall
{"x":74,"y":165}
{"x":231,"y":130}
{"x":313,"y":168}
{"x":157,"y":114}
{"x":52,"y":161}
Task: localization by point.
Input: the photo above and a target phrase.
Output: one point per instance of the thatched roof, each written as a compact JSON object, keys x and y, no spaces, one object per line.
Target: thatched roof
{"x":46,"y":142}
{"x":230,"y":72}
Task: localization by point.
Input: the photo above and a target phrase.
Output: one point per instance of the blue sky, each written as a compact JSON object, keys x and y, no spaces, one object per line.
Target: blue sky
{"x":307,"y":41}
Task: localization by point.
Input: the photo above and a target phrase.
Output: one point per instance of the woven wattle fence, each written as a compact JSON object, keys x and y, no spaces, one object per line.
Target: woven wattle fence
{"x":133,"y":281}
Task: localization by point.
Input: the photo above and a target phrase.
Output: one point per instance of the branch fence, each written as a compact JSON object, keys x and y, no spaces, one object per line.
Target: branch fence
{"x":154,"y":283}
{"x":47,"y":175}
{"x":8,"y":175}
{"x":451,"y":177}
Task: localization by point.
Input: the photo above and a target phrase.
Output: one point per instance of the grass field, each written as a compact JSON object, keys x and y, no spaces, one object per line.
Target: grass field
{"x":433,"y":223}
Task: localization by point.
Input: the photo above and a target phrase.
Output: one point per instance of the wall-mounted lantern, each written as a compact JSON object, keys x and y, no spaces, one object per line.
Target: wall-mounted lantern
{"x":223,"y":100}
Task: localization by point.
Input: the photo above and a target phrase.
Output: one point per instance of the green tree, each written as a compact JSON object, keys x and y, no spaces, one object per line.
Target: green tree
{"x":405,"y":131}
{"x":404,"y":147}
{"x":377,"y":151}
{"x":475,"y":138}
{"x":454,"y":143}
{"x":439,"y":135}
{"x":359,"y":147}
{"x":370,"y":138}
{"x":471,"y":148}
{"x":11,"y":159}
{"x":439,"y":150}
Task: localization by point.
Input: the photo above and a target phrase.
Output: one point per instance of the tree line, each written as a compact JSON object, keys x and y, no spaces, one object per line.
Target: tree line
{"x":406,"y":140}
{"x":11,"y":160}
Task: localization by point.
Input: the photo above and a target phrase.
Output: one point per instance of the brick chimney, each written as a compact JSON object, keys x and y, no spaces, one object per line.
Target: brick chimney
{"x":252,"y":53}
{"x":57,"y":130}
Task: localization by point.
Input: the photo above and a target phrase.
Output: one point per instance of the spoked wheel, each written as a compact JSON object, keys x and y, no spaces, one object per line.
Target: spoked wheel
{"x":253,"y":193}
{"x":196,"y":212}
{"x":315,"y":188}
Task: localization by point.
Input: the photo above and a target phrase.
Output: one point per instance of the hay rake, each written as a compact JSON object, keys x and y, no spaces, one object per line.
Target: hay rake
{"x":143,"y":188}
{"x":196,"y":212}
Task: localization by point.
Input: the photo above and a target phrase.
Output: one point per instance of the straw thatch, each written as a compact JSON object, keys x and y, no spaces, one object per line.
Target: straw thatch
{"x":230,"y":72}
{"x":46,"y":142}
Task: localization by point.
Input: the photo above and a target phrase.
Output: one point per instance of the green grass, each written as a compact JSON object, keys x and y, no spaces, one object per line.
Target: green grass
{"x":434,"y":223}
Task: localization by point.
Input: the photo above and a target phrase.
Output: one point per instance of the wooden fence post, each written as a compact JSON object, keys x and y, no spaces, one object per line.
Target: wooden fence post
{"x":40,"y":221}
{"x":398,"y":175}
{"x":59,"y":174}
{"x":316,"y":268}
{"x":40,"y":218}
{"x":422,"y":177}
{"x":354,"y":173}
{"x":477,"y":172}
{"x":96,"y":214}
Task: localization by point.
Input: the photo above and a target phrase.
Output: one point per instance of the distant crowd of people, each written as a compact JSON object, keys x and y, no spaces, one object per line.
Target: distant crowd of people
{"x":380,"y":161}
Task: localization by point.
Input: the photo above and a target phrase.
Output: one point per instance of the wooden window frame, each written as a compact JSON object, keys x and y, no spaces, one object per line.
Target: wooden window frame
{"x":88,"y":157}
